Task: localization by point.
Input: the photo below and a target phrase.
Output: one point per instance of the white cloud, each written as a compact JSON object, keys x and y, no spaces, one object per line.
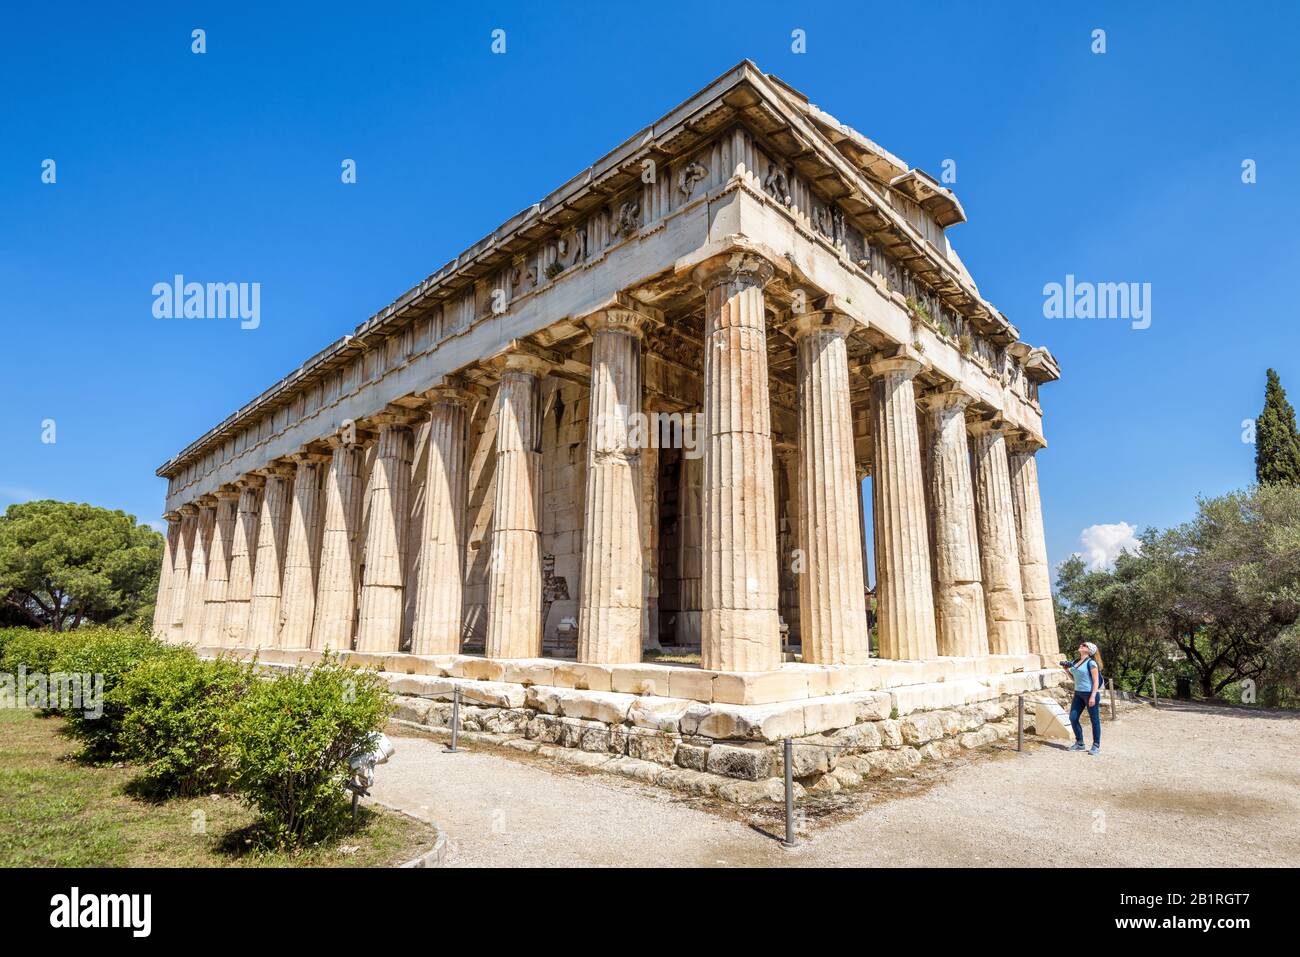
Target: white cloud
{"x":1103,"y":543}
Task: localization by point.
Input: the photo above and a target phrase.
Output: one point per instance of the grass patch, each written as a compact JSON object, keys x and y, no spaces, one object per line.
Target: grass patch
{"x":56,"y":811}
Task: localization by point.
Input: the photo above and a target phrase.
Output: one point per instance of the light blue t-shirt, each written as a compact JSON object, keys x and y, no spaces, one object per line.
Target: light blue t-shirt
{"x":1082,"y":672}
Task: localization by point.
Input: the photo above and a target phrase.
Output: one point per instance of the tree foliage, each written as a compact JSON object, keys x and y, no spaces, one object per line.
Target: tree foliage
{"x":1277,"y":445}
{"x":1216,"y":599}
{"x":63,"y":564}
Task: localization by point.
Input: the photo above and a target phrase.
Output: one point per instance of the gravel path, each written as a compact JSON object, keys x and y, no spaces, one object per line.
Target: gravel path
{"x":1183,"y":786}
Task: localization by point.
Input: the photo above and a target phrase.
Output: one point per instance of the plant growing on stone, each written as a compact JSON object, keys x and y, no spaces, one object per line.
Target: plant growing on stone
{"x":966,"y":344}
{"x":554,"y":269}
{"x":292,"y":738}
{"x":178,"y":721}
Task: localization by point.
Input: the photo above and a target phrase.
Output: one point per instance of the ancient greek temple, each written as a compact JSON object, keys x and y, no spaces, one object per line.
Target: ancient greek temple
{"x":636,"y":418}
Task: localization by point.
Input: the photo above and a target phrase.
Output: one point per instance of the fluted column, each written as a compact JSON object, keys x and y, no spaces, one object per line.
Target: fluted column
{"x":616,"y":526}
{"x":790,"y":553}
{"x":999,"y":552}
{"x":196,"y":589}
{"x":1031,"y":541}
{"x":740,"y":584}
{"x":302,"y":552}
{"x":383,"y":582}
{"x":514,"y":627}
{"x":243,"y":555}
{"x":336,"y":589}
{"x":181,"y":572}
{"x":691,"y":551}
{"x":649,"y":513}
{"x":214,"y":599}
{"x":162,"y":606}
{"x":832,"y":605}
{"x":959,"y":590}
{"x":440,"y":588}
{"x":904,"y":589}
{"x":268,"y":570}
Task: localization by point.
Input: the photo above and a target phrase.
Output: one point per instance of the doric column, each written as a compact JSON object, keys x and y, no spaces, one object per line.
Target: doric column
{"x":616,"y":530}
{"x":336,"y":589}
{"x":441,"y":584}
{"x":268,"y":569}
{"x":383,"y":581}
{"x":741,"y":590}
{"x":196,"y":589}
{"x":181,"y":572}
{"x":302,"y":551}
{"x":214,"y":599}
{"x":1031,"y":541}
{"x":692,"y":554}
{"x":904,"y":589}
{"x":789,"y":552}
{"x":999,"y":553}
{"x":959,"y":591}
{"x":832,"y":604}
{"x":649,"y":513}
{"x":514,"y":627}
{"x":243,"y":555}
{"x":162,"y":606}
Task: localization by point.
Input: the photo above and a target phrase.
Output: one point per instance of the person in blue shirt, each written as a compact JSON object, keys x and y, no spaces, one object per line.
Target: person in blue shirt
{"x":1087,"y":694}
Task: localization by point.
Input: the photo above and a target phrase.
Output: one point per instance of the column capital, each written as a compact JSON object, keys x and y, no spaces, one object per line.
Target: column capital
{"x":227,"y":493}
{"x":171,"y":517}
{"x":207,"y":501}
{"x":520,"y":361}
{"x":735,"y":265}
{"x":904,"y":366}
{"x":389,"y":420}
{"x":250,"y":481}
{"x":349,"y":434}
{"x":822,"y":320}
{"x":188,"y":510}
{"x":1025,"y":443}
{"x":980,"y":426}
{"x":617,"y":319}
{"x":275,"y":469}
{"x":448,"y":395}
{"x":308,"y":457}
{"x":951,"y":396}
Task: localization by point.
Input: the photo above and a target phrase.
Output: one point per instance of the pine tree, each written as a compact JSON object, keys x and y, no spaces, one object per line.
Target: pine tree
{"x":1277,"y":446}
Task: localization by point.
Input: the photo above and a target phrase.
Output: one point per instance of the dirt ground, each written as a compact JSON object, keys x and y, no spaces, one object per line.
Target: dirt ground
{"x":1185,"y":785}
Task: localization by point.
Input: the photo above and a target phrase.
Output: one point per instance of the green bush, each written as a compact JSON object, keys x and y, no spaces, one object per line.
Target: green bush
{"x":111,"y":655}
{"x":34,"y":648}
{"x":177,"y":721}
{"x":293,"y":736}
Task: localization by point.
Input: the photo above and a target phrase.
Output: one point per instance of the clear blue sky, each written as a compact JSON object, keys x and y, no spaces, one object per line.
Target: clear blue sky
{"x":1124,"y":166}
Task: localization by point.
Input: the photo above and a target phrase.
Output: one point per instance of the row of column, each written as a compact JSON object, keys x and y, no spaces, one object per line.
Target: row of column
{"x":274,"y":561}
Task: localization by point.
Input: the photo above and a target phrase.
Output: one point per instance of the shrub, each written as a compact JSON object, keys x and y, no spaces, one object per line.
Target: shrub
{"x":111,"y":655}
{"x":177,"y":721}
{"x":34,"y":648}
{"x":293,"y":736}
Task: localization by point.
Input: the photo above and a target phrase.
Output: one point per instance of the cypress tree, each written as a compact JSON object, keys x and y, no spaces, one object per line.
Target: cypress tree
{"x":1277,"y":446}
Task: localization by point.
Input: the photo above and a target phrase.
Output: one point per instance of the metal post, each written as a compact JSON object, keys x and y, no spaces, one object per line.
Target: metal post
{"x":1155,"y":698}
{"x":1020,"y":721}
{"x":455,"y":718}
{"x":789,"y":841}
{"x":1110,"y":688}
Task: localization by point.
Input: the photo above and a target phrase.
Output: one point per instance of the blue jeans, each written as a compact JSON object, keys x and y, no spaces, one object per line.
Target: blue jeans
{"x":1077,"y":707}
